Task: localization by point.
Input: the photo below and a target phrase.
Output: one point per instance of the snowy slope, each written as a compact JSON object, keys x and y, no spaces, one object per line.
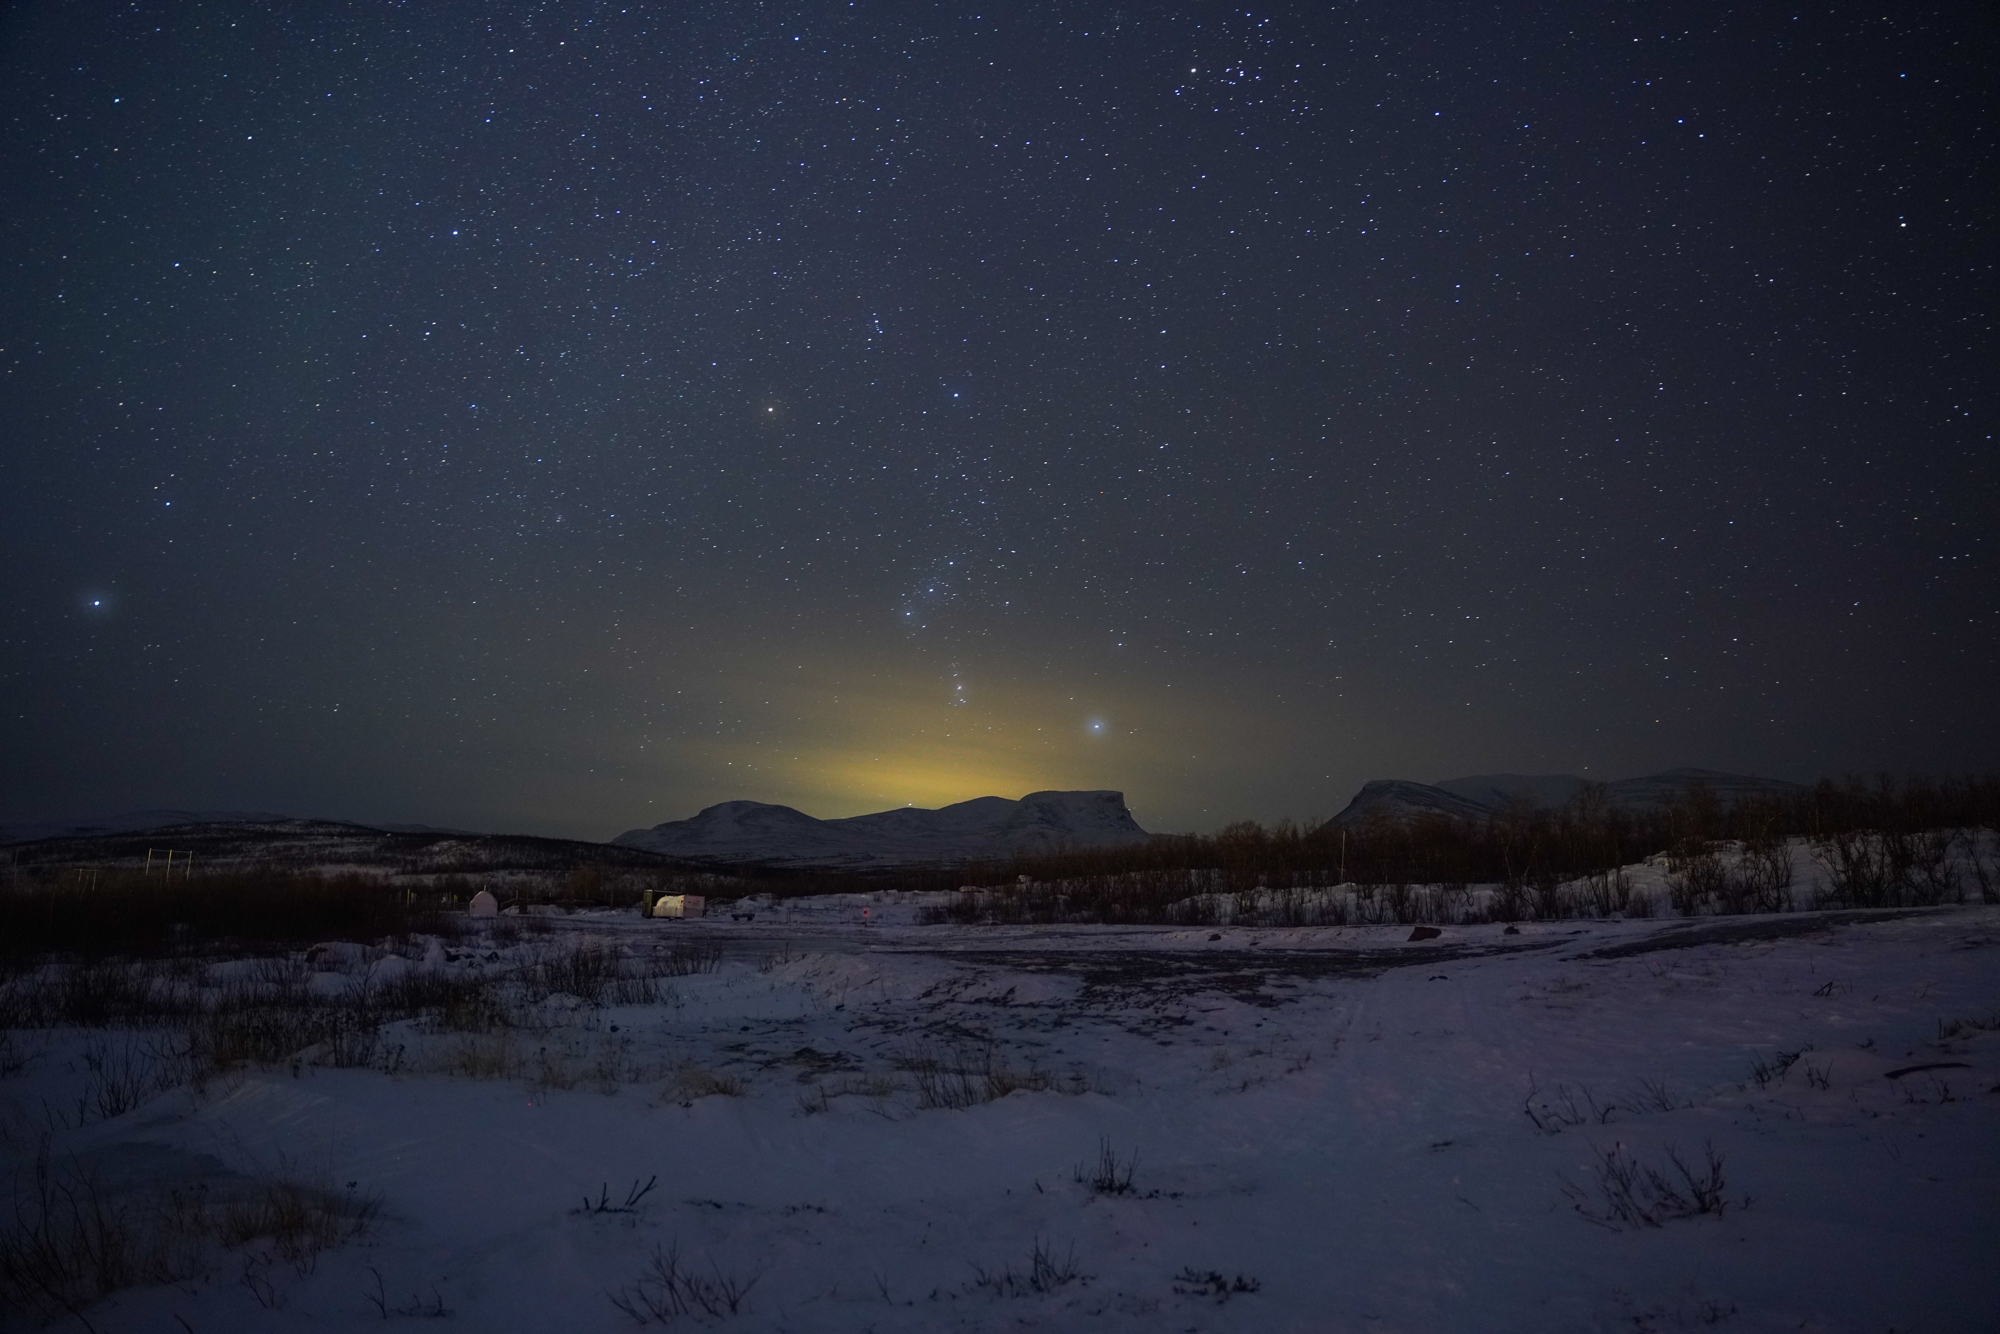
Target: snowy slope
{"x":985,"y":828}
{"x":1371,"y":1135}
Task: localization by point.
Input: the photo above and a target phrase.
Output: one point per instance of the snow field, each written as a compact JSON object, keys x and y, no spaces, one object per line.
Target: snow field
{"x":1370,"y":1134}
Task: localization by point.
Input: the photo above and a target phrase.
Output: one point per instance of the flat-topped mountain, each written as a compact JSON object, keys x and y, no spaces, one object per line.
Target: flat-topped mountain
{"x":983,"y":829}
{"x":1487,"y":795}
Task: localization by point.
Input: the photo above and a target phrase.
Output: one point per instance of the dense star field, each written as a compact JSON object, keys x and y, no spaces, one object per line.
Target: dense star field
{"x":560,"y":418}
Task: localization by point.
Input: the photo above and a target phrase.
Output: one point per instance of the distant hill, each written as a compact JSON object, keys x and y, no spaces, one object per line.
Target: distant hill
{"x":224,"y":844}
{"x":135,"y":822}
{"x":985,"y":828}
{"x":1486,"y":795}
{"x":127,"y":822}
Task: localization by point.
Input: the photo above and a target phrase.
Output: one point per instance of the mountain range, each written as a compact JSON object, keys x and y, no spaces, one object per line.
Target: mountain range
{"x":988,"y":829}
{"x":983,"y":829}
{"x":1487,"y":795}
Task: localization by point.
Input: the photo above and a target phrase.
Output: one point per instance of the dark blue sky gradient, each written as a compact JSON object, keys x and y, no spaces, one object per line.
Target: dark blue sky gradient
{"x":561,"y":418}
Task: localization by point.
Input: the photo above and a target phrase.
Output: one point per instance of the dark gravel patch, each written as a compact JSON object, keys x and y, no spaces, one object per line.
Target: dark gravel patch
{"x":1248,"y":975}
{"x":1733,"y":931}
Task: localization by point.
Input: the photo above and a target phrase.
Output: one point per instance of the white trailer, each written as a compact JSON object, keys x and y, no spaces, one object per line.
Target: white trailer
{"x":680,"y":905}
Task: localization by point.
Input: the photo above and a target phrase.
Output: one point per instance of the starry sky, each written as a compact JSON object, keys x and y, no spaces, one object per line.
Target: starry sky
{"x":559,"y":418}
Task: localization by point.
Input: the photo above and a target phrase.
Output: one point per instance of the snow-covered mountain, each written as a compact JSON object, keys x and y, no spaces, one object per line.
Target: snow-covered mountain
{"x":985,"y":828}
{"x":1485,"y":795}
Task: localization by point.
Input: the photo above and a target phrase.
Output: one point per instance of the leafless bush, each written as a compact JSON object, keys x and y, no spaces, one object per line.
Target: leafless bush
{"x":119,"y":1077}
{"x":1695,"y":876}
{"x":1958,"y":1028}
{"x":1192,"y":1282}
{"x":1653,"y":1096}
{"x":1607,"y":892}
{"x":1933,"y":876}
{"x":819,"y":1098}
{"x":667,"y":1291}
{"x":972,"y":1074}
{"x":1045,"y":1274}
{"x":72,"y":1241}
{"x":481,"y":1056}
{"x":13,"y":1057}
{"x":299,"y":1220}
{"x":1982,"y":875}
{"x":629,"y":1205}
{"x":1858,"y":868}
{"x":684,"y":960}
{"x":583,"y":972}
{"x":1773,"y":1069}
{"x":1766,"y":873}
{"x":1109,"y":1176}
{"x":1565,"y":1107}
{"x":1547,"y":895}
{"x":417,"y":1307}
{"x":1627,"y":1193}
{"x":691,"y":1082}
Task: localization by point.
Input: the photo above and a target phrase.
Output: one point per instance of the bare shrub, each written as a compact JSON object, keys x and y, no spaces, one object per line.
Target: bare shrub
{"x":1958,"y":1028}
{"x":1192,"y":1282}
{"x":693,"y":1082}
{"x":1982,"y":875}
{"x":629,"y":1205}
{"x":1695,"y":876}
{"x":1933,"y":876}
{"x":668,"y":1290}
{"x":584,"y":972}
{"x":434,"y":1309}
{"x":1607,"y":892}
{"x":219,"y":1041}
{"x":1045,"y":1273}
{"x":1773,"y":1069}
{"x":297,"y":1219}
{"x":1627,"y":1193}
{"x":1564,"y":1108}
{"x":70,"y":1243}
{"x":1766,"y":873}
{"x":1109,"y":1176}
{"x":1654,"y":1096}
{"x":13,"y":1057}
{"x":120,"y":1077}
{"x":684,"y":960}
{"x":481,"y":1057}
{"x":1547,"y":896}
{"x":1859,"y":868}
{"x":966,"y":1076}
{"x":71,"y":1240}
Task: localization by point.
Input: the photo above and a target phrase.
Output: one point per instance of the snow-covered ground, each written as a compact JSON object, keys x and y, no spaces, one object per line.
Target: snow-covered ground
{"x":1291,"y":1129}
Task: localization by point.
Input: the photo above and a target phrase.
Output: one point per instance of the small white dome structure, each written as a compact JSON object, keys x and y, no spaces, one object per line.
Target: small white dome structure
{"x":484,"y":905}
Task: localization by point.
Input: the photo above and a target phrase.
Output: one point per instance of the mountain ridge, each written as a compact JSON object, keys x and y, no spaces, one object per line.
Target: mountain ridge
{"x":981,"y":829}
{"x":1483,"y":796}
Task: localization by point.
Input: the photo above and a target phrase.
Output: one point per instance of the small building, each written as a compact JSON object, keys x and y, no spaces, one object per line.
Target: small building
{"x":677,"y":905}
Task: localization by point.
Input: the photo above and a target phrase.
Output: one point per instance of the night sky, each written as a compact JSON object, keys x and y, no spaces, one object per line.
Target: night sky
{"x":560,"y":418}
